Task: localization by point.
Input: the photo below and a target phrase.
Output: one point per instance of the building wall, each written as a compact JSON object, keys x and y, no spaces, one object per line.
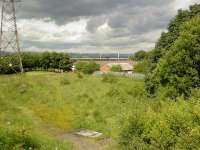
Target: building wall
{"x":105,"y":66}
{"x":105,"y":69}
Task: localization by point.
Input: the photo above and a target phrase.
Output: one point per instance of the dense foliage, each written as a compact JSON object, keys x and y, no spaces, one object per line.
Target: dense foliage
{"x":165,"y":126}
{"x":9,"y":64}
{"x":87,"y":67}
{"x":139,"y":56}
{"x":33,"y":61}
{"x":42,"y":102}
{"x":116,"y":68}
{"x":16,"y":139}
{"x":174,"y":72}
{"x":141,"y":67}
{"x":174,"y":28}
{"x":174,"y":62}
{"x":46,"y":61}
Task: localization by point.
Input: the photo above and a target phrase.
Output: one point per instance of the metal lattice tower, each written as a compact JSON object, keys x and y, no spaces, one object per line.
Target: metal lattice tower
{"x":9,"y":40}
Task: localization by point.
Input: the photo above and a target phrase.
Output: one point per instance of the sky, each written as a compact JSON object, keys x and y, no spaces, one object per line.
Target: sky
{"x":99,"y":26}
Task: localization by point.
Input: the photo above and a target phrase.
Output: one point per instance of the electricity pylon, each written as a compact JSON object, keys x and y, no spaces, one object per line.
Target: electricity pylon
{"x":9,"y":39}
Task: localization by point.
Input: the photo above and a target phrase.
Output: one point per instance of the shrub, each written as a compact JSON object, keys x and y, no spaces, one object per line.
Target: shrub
{"x":141,"y":67}
{"x":113,"y":92}
{"x":79,"y":75}
{"x":109,"y":78}
{"x":16,"y":139}
{"x":130,"y":137}
{"x":64,"y":82}
{"x":139,"y":56}
{"x":87,"y":67}
{"x":31,"y":61}
{"x":9,"y":65}
{"x":172,"y":126}
{"x":13,"y":139}
{"x":53,"y":61}
{"x":116,"y":68}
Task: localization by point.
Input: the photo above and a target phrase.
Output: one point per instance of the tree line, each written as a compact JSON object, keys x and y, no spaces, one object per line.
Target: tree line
{"x":35,"y":61}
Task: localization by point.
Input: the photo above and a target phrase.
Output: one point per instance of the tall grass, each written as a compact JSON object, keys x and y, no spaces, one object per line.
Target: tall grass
{"x":118,"y":107}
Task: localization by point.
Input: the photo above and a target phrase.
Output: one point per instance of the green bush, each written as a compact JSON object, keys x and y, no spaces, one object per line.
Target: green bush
{"x":80,"y":75}
{"x":64,"y":81}
{"x":170,"y":127}
{"x":15,"y":139}
{"x":46,"y":61}
{"x":139,"y":56}
{"x":179,"y":69}
{"x":131,"y":135}
{"x":141,"y":67}
{"x":87,"y":67}
{"x":109,"y":78}
{"x":33,"y":61}
{"x":116,"y":68}
{"x":9,"y":65}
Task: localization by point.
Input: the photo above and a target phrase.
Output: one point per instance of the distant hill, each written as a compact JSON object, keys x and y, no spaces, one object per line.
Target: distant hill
{"x":97,"y":55}
{"x":85,"y":55}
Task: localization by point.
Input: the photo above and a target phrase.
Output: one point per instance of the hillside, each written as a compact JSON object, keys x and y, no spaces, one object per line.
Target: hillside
{"x":35,"y":103}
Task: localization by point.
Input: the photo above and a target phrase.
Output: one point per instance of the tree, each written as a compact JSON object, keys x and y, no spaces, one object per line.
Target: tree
{"x":179,"y":70}
{"x":168,"y":38}
{"x":138,"y":56}
{"x":65,"y":63}
{"x":33,"y":61}
{"x":45,"y":61}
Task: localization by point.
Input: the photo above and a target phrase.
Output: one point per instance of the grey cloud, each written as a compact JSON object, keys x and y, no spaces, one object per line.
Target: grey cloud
{"x":64,"y":10}
{"x":95,"y":22}
{"x":56,"y":46}
{"x":130,"y":20}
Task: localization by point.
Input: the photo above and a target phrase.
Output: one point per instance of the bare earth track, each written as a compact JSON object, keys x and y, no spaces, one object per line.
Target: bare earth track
{"x":80,"y":142}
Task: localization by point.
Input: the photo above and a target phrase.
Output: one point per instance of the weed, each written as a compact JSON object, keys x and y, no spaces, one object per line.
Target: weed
{"x":109,"y":78}
{"x":64,"y":82}
{"x":79,"y":75}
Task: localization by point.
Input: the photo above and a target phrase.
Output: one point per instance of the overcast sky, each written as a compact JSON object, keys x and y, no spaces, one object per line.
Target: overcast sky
{"x":94,"y":25}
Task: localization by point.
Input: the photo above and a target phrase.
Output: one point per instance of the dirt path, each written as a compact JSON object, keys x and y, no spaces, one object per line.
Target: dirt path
{"x":80,"y":142}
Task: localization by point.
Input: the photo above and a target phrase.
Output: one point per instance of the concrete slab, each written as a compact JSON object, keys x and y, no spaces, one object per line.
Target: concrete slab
{"x":89,"y":133}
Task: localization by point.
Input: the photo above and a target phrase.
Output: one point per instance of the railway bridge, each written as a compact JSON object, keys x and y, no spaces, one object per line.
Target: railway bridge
{"x":106,"y":63}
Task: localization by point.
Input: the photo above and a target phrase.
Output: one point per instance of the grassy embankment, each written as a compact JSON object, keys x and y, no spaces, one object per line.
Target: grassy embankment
{"x":34,"y":102}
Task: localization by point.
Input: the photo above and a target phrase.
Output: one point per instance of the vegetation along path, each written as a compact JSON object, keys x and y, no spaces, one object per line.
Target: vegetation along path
{"x":78,"y":141}
{"x":43,"y":108}
{"x":81,"y":142}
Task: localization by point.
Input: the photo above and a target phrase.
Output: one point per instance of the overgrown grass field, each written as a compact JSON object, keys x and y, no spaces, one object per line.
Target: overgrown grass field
{"x":33,"y":102}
